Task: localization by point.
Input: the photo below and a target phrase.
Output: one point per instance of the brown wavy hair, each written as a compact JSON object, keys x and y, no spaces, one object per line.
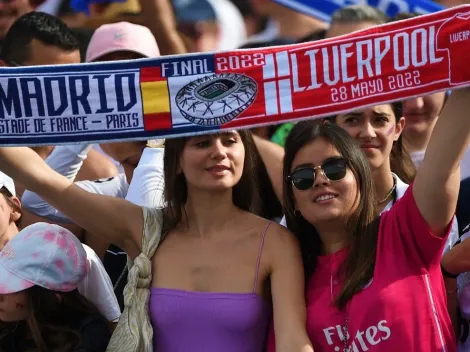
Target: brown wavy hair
{"x":245,"y":193}
{"x":361,"y":224}
{"x":52,"y":320}
{"x":400,"y":160}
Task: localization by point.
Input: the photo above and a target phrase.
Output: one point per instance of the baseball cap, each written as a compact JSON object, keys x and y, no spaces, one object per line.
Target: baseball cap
{"x":7,"y":182}
{"x":192,"y":11}
{"x":122,"y":36}
{"x":42,"y":255}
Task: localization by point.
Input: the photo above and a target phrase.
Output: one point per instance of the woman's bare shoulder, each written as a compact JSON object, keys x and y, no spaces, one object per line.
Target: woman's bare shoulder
{"x":273,"y":230}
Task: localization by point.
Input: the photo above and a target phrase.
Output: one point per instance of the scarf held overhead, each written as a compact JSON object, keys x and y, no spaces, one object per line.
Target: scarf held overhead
{"x":201,"y":93}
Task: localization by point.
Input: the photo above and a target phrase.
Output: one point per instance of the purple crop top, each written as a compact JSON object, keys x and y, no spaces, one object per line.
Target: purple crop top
{"x":188,"y":321}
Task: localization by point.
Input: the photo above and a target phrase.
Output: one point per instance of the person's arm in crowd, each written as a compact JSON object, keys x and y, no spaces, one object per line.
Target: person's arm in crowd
{"x":437,"y":182}
{"x":112,"y":187}
{"x":272,"y":155}
{"x":147,"y":185}
{"x":96,"y":166}
{"x":463,"y":206}
{"x":97,"y":214}
{"x":158,"y":16}
{"x":98,"y":288}
{"x":67,"y":161}
{"x":455,"y":262}
{"x":288,"y":291}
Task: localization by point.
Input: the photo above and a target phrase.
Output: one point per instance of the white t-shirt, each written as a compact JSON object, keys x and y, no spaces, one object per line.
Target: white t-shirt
{"x":98,"y":289}
{"x":401,"y":188}
{"x":417,"y":158}
{"x":148,"y":182}
{"x":97,"y":147}
{"x":465,"y":165}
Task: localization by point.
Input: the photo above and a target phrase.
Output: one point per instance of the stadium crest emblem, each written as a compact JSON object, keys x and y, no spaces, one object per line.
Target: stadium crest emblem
{"x":216,"y":99}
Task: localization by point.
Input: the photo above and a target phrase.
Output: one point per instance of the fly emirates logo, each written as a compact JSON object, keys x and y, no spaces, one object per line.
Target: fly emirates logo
{"x":363,"y":340}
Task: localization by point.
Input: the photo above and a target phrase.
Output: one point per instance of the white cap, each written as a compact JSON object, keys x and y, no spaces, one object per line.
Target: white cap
{"x":7,"y":182}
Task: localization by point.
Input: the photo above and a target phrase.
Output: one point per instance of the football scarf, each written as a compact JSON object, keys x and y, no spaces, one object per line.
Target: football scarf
{"x":193,"y":94}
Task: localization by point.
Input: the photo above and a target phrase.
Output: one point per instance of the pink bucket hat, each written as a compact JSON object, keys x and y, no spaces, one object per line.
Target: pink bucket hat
{"x":42,"y":255}
{"x":122,"y":36}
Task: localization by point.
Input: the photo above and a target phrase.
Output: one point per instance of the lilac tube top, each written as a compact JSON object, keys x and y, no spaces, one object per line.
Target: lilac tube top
{"x":186,"y":321}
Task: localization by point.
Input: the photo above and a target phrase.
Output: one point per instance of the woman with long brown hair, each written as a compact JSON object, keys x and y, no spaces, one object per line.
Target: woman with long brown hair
{"x":40,"y":306}
{"x":374,"y":282}
{"x":378,"y":131}
{"x":219,"y":269}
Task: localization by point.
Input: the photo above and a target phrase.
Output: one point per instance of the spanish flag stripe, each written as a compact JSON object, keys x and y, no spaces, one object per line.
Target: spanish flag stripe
{"x":157,"y":121}
{"x":155,"y":97}
{"x":151,"y":74}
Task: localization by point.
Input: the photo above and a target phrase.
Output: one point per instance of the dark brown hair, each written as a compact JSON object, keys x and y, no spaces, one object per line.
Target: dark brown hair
{"x":7,"y":195}
{"x":52,"y":320}
{"x":359,"y":267}
{"x":244,"y":193}
{"x":400,"y":160}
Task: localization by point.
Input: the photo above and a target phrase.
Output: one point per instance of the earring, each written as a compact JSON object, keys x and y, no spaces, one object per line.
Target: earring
{"x":297,"y":213}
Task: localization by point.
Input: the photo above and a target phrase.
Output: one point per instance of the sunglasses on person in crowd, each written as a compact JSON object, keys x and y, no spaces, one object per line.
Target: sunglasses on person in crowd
{"x":334,"y":169}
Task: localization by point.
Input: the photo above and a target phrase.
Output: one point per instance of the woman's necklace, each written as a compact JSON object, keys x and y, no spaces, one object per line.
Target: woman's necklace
{"x":345,"y":333}
{"x":389,"y":192}
{"x":345,"y":337}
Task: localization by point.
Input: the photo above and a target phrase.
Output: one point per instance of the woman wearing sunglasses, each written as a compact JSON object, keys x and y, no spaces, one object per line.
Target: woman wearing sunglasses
{"x":378,"y":130}
{"x":373,"y":283}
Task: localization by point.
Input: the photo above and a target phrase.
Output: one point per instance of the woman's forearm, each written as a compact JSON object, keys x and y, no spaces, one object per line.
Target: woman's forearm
{"x":159,"y":18}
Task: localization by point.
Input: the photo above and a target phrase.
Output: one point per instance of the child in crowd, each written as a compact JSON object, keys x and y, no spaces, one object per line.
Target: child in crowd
{"x":40,"y":306}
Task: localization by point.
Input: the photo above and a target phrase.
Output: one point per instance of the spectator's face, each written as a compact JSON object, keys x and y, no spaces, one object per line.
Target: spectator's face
{"x":128,"y":154}
{"x":421,"y":113}
{"x":376,"y":129}
{"x":5,"y":215}
{"x":13,"y":307}
{"x":8,"y":216}
{"x":337,"y":29}
{"x":10,"y":11}
{"x":213,"y":162}
{"x":42,"y":54}
{"x":326,"y":201}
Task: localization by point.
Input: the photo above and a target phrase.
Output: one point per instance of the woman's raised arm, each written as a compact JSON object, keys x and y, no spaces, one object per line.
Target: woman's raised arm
{"x":437,"y":182}
{"x":121,"y":222}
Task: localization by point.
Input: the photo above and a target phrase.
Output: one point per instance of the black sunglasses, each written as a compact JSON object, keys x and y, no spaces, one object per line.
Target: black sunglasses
{"x":334,"y":169}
